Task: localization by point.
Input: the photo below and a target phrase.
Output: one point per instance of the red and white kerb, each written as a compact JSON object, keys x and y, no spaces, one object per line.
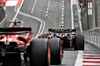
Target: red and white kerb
{"x":11,"y":3}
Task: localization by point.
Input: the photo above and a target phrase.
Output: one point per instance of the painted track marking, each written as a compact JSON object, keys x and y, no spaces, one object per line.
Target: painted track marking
{"x":17,"y":12}
{"x":87,"y":59}
{"x":91,"y":59}
{"x":47,"y":11}
{"x":33,"y":6}
{"x":79,"y":59}
{"x":42,"y":22}
{"x":62,"y":13}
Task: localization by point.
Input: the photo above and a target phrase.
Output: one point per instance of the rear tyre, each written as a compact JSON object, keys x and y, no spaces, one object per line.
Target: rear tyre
{"x":39,"y":50}
{"x":56,"y":51}
{"x":79,"y":42}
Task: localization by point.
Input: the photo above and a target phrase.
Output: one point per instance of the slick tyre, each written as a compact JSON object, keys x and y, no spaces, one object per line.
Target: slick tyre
{"x":56,"y":51}
{"x":39,"y":52}
{"x":79,"y":42}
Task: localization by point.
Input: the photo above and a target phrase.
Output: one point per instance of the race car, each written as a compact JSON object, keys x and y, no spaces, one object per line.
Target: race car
{"x":19,"y":48}
{"x":68,"y":38}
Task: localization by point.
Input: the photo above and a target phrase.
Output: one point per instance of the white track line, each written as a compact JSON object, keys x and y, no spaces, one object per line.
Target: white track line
{"x":35,"y":2}
{"x":62,"y":12}
{"x":79,"y":59}
{"x":31,"y":11}
{"x":62,"y":4}
{"x":42,"y":23}
{"x":91,"y":64}
{"x":46,"y":14}
{"x":47,"y":11}
{"x":72,"y":15}
{"x":62,"y":15}
{"x":62,"y":22}
{"x":48,"y":6}
{"x":62,"y":18}
{"x":62,"y":8}
{"x":91,"y":54}
{"x":63,"y":1}
{"x":16,"y":13}
{"x":49,"y":1}
{"x":33,"y":6}
{"x":91,"y":60}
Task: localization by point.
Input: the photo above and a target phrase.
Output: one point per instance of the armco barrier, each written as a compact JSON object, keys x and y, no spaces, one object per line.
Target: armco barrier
{"x":93,"y":37}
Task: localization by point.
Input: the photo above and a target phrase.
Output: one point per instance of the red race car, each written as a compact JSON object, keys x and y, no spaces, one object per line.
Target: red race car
{"x":18,"y":48}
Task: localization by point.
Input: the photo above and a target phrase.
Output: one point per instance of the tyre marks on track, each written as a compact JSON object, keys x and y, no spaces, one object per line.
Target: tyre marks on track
{"x":33,"y":6}
{"x":47,"y":11}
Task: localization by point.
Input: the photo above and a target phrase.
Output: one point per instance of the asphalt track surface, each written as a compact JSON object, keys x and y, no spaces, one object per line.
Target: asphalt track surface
{"x":54,"y":14}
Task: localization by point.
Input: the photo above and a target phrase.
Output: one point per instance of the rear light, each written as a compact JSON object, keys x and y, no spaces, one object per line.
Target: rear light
{"x":53,"y":36}
{"x":69,"y":38}
{"x":48,"y":41}
{"x":44,"y":37}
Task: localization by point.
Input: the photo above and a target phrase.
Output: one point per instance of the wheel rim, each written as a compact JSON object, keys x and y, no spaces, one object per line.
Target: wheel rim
{"x":60,"y":52}
{"x":48,"y":55}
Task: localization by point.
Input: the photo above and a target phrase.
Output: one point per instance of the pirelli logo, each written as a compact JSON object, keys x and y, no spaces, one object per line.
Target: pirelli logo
{"x":11,"y":3}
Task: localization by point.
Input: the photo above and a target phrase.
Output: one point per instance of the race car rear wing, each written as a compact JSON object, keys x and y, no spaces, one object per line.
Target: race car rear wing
{"x":62,"y":30}
{"x":8,"y":31}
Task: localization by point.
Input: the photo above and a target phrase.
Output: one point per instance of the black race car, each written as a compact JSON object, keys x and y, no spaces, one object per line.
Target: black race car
{"x":68,"y":38}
